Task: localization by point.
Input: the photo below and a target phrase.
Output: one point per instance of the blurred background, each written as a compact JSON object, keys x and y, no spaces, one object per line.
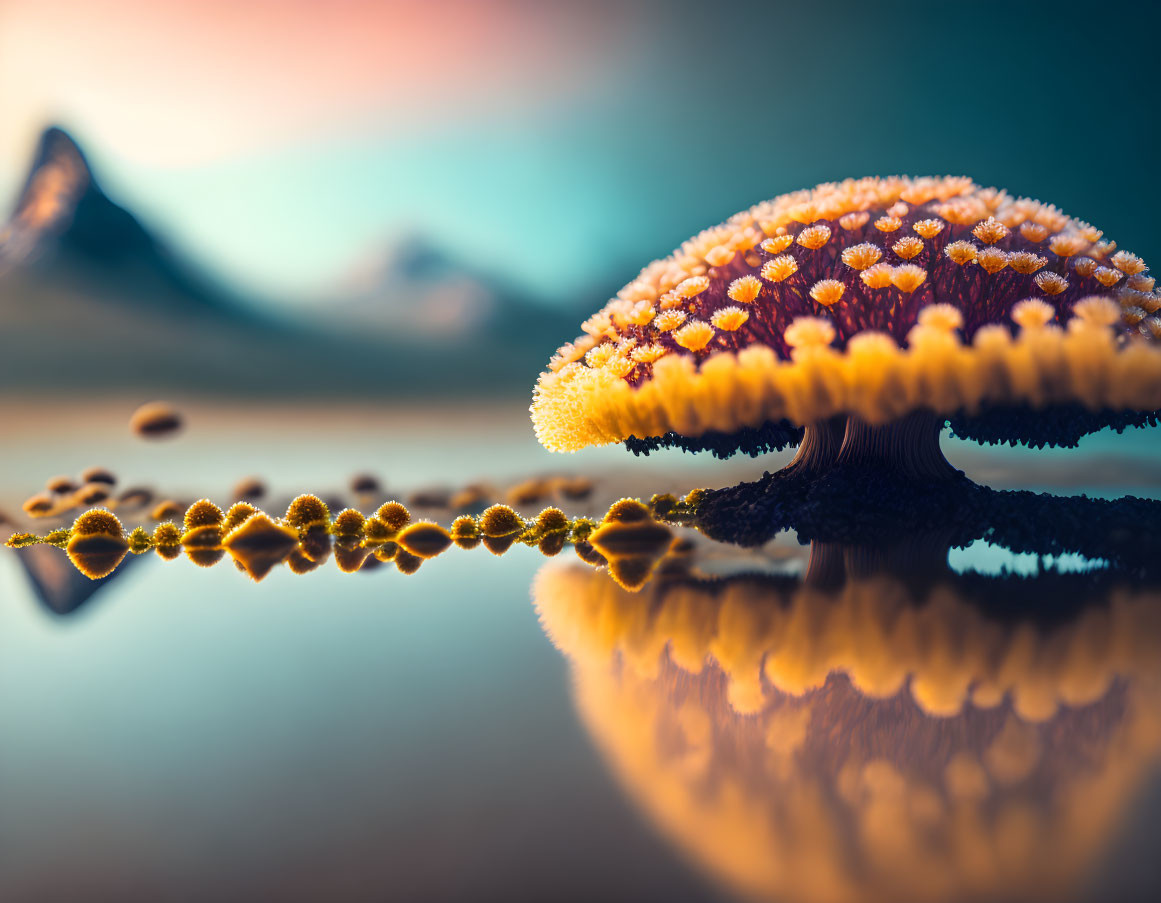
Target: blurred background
{"x":407,"y":200}
{"x":346,"y":236}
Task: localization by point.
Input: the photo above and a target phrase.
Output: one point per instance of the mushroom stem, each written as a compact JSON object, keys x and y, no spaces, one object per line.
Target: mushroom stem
{"x":909,"y":446}
{"x":819,"y":448}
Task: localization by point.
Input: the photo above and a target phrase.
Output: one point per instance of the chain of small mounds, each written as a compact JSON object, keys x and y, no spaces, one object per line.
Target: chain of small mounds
{"x":64,"y":495}
{"x":97,"y":542}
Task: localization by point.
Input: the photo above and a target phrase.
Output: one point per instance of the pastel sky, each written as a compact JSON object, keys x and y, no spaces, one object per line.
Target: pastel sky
{"x":282,"y":139}
{"x":283,"y":143}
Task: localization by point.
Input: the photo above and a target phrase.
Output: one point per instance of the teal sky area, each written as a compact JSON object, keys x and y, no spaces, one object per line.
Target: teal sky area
{"x":703,"y":112}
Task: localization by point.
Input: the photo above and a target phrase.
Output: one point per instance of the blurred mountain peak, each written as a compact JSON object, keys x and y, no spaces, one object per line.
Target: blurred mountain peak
{"x":416,"y":257}
{"x":90,"y":299}
{"x":55,"y":144}
{"x":411,"y":257}
{"x":64,"y":227}
{"x":56,"y":583}
{"x":58,"y":179}
{"x":412,"y":285}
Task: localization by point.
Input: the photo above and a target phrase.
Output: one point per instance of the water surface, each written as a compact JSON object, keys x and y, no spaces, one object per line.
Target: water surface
{"x":187,"y":734}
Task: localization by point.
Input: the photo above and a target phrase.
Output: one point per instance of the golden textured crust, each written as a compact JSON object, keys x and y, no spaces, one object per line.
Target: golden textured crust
{"x":817,"y":303}
{"x":873,"y":378}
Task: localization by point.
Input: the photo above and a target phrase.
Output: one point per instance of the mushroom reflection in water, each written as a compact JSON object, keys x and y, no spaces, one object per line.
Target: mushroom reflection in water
{"x":879,"y":738}
{"x":853,"y":320}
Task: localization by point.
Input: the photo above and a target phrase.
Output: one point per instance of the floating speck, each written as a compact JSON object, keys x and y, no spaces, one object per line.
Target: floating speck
{"x":156,"y":420}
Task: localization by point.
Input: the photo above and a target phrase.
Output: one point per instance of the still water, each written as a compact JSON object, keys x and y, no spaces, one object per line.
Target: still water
{"x":748,"y":725}
{"x":192,"y":736}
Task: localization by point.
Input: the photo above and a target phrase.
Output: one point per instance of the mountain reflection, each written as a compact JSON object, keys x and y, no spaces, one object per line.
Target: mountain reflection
{"x":55,"y":581}
{"x":880,"y":728}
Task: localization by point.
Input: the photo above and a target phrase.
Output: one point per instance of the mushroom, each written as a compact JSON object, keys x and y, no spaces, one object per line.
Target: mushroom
{"x":854,"y":320}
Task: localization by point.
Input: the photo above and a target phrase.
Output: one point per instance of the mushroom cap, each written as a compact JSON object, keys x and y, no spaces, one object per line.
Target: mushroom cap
{"x":874,"y":298}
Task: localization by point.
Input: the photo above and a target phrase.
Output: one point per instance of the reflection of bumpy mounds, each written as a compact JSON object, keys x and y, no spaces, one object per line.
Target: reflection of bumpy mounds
{"x":424,"y":539}
{"x":258,"y":544}
{"x":630,"y":535}
{"x":870,"y":299}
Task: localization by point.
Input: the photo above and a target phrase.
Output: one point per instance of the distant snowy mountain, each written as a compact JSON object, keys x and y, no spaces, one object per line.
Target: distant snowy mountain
{"x":64,"y":226}
{"x":416,"y":288}
{"x":92,"y":300}
{"x":58,"y":180}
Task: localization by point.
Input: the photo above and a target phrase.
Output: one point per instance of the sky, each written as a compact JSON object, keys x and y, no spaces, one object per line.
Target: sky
{"x":283,"y":145}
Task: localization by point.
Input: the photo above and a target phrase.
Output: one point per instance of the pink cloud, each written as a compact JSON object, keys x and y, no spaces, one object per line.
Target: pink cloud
{"x":182,"y":82}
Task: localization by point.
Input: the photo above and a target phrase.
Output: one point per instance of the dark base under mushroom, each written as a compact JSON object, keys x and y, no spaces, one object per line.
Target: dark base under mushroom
{"x":878,"y":509}
{"x":1060,"y":425}
{"x":910,"y":445}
